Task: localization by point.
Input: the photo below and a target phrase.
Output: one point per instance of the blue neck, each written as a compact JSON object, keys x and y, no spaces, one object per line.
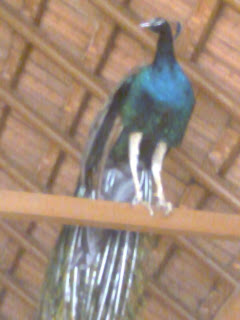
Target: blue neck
{"x":165,"y":53}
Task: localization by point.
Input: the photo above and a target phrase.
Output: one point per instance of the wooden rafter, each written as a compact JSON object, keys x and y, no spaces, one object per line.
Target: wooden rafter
{"x":209,"y":182}
{"x":231,"y":309}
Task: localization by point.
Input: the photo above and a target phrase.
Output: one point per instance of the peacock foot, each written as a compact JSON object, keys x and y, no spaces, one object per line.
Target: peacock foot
{"x":165,"y":205}
{"x":138,"y":199}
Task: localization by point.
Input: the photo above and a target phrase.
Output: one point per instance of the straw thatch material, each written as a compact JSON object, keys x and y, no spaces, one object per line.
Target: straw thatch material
{"x":59,"y":60}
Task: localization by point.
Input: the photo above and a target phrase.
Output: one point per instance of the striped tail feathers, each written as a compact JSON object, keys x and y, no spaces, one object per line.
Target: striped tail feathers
{"x":98,"y":274}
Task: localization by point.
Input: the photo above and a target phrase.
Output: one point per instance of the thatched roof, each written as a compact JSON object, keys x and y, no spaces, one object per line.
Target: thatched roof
{"x":59,"y":60}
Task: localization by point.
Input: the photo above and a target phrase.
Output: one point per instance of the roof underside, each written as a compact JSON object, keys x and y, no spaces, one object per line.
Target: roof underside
{"x":59,"y":59}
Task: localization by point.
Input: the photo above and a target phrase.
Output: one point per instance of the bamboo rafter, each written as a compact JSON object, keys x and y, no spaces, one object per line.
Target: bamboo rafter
{"x":14,"y":286}
{"x":231,"y":309}
{"x":228,"y":108}
{"x":13,"y":170}
{"x":233,"y":3}
{"x":161,"y":295}
{"x":117,"y":12}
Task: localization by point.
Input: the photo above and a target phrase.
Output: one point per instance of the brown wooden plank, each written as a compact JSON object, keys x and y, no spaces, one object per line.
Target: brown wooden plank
{"x":106,"y":214}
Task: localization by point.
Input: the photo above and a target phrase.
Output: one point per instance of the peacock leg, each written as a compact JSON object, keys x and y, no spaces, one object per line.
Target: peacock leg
{"x":134,"y":150}
{"x":157,"y":162}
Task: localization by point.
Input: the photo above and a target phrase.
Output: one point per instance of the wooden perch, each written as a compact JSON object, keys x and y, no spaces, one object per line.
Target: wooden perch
{"x":106,"y":214}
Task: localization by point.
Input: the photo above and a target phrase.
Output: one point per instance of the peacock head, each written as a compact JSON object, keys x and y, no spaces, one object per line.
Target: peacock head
{"x":160,"y":25}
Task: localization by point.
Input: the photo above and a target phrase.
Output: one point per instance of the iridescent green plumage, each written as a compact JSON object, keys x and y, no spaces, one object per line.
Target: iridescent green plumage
{"x":157,"y":100}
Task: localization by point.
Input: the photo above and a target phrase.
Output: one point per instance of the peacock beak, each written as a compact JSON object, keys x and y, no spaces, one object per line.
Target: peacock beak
{"x":176,"y":26}
{"x":145,"y":24}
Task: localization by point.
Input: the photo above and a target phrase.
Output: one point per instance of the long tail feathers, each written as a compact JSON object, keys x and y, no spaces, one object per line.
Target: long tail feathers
{"x":97,"y":274}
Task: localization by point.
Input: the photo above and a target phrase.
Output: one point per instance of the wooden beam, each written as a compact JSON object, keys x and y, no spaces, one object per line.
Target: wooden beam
{"x":24,"y":241}
{"x":18,"y":173}
{"x":127,"y":22}
{"x":161,"y":295}
{"x":113,"y":215}
{"x":14,"y":286}
{"x":12,"y":98}
{"x":231,"y":309}
{"x":235,"y":4}
{"x":32,"y":33}
{"x":197,"y":28}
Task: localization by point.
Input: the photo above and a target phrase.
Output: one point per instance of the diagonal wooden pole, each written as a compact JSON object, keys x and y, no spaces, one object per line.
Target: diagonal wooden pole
{"x":113,"y":215}
{"x":231,"y":309}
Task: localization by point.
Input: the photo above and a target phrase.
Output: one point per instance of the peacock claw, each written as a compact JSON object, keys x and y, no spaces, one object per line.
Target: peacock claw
{"x":148,"y":206}
{"x":138,"y":199}
{"x":165,"y":205}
